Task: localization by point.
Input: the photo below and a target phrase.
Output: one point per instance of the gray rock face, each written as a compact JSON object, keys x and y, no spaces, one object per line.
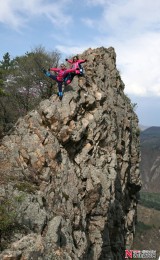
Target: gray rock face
{"x":70,"y":171}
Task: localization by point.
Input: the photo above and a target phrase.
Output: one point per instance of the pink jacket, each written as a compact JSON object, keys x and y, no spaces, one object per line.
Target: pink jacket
{"x":75,"y":64}
{"x":62,"y":73}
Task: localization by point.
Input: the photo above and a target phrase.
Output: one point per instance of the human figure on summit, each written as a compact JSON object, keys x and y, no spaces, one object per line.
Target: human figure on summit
{"x":76,"y":64}
{"x":62,"y":72}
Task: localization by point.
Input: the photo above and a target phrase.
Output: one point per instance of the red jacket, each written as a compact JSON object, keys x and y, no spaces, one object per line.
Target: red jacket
{"x":62,"y":73}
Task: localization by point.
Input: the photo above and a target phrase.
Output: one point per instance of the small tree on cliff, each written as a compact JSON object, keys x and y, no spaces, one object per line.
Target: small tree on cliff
{"x":6,"y":108}
{"x":29,"y":84}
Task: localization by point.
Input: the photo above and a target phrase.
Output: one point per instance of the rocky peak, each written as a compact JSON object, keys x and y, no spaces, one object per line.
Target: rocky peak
{"x":70,"y":171}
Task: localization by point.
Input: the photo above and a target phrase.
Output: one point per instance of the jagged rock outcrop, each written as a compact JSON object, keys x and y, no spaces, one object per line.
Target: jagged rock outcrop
{"x":70,"y":171}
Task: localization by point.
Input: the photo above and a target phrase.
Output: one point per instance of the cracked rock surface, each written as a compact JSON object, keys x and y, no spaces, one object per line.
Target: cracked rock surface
{"x":69,"y":171}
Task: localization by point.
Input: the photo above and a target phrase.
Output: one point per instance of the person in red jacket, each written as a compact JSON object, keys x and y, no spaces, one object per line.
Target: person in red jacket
{"x":76,"y":64}
{"x":62,"y":72}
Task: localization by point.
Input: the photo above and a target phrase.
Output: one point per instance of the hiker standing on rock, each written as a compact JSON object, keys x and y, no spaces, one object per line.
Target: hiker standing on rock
{"x":62,"y":72}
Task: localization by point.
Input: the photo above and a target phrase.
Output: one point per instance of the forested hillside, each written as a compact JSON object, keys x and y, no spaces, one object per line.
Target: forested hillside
{"x":147,"y":234}
{"x":23,"y":85}
{"x":150,"y":159}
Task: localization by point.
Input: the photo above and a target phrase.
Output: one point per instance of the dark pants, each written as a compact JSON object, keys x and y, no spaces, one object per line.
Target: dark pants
{"x":59,"y":82}
{"x":71,"y":75}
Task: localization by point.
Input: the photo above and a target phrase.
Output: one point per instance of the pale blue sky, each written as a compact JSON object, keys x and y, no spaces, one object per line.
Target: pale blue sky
{"x":132,"y":27}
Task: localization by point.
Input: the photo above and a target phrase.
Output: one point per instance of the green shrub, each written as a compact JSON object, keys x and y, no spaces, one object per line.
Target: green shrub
{"x":8,"y":217}
{"x":7,"y":214}
{"x":25,"y":187}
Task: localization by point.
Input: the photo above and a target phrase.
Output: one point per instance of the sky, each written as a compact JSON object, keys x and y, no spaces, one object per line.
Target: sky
{"x":131,"y":27}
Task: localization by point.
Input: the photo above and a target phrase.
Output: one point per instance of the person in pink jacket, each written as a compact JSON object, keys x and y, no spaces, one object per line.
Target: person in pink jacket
{"x":62,"y":72}
{"x":76,"y":64}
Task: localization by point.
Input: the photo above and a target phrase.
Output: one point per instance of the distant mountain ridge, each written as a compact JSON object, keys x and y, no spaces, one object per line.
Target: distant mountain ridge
{"x":152,"y":129}
{"x":142,"y":127}
{"x":150,"y":158}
